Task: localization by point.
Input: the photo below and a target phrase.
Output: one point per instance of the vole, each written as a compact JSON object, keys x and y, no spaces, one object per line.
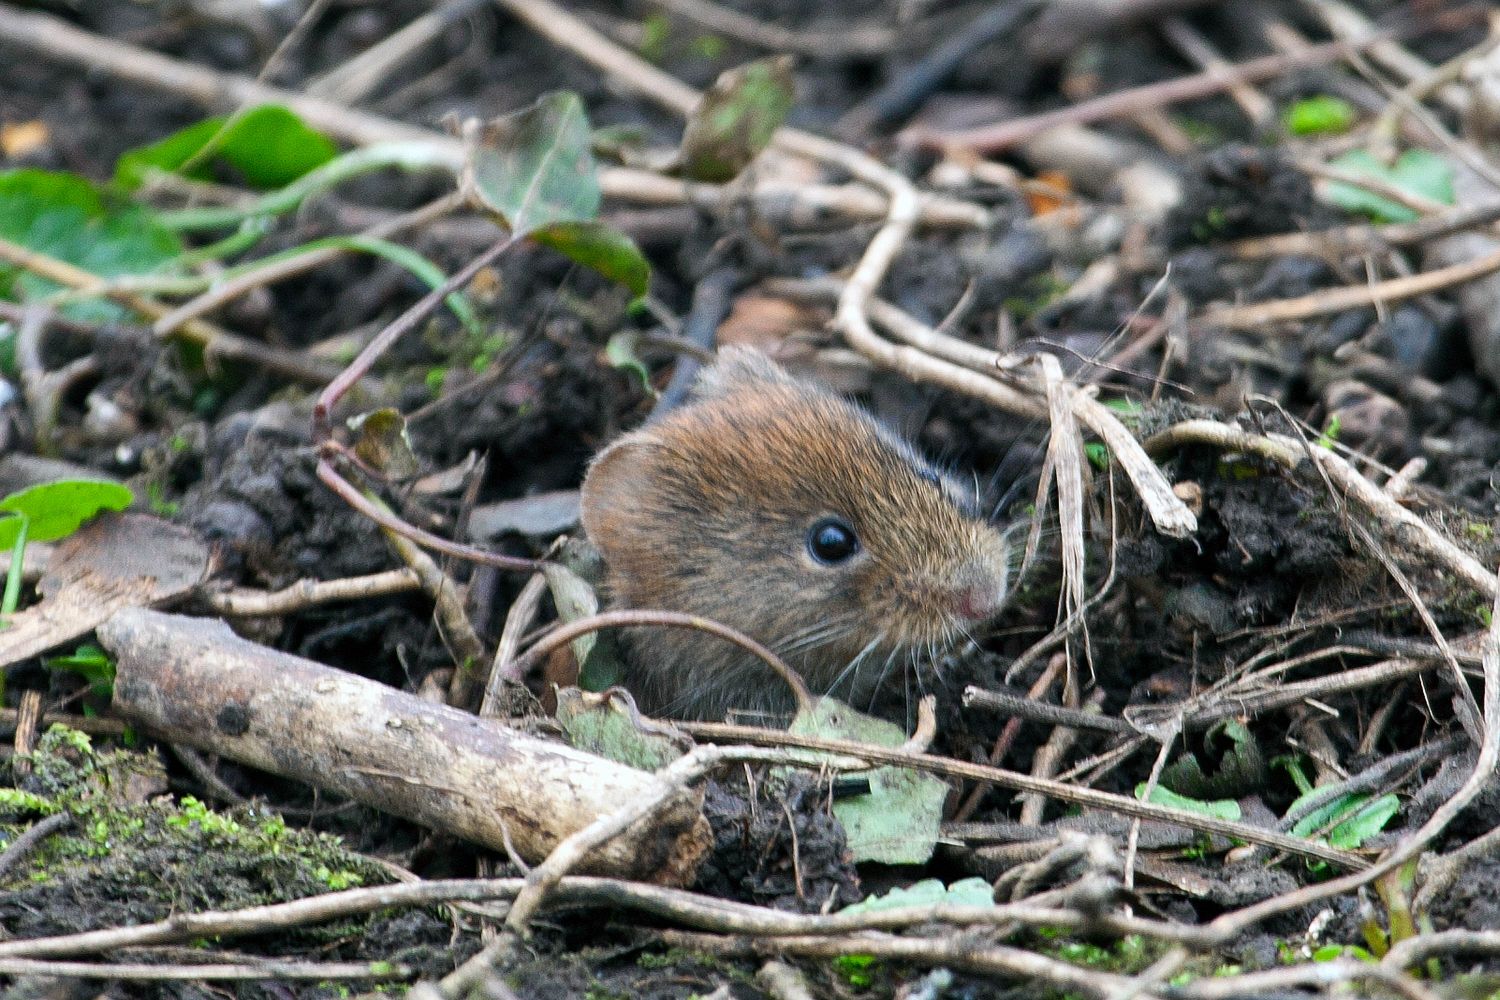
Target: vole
{"x":774,"y":506}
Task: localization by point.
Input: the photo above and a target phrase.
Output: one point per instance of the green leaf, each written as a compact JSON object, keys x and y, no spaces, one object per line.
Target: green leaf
{"x":269,"y":145}
{"x":1354,"y":818}
{"x":1415,"y":171}
{"x":600,"y":724}
{"x":1236,"y":765}
{"x":929,"y":892}
{"x":1218,"y":808}
{"x":1322,"y":114}
{"x":65,"y":216}
{"x":575,"y":599}
{"x":897,"y":822}
{"x":55,"y":510}
{"x":601,"y":247}
{"x":535,"y":168}
{"x":1366,"y":823}
{"x":736,"y":119}
{"x":91,"y":663}
{"x":621,"y":352}
{"x":575,"y":593}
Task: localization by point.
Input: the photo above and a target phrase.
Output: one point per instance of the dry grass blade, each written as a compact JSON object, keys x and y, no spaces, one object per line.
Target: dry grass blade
{"x":1064,"y":465}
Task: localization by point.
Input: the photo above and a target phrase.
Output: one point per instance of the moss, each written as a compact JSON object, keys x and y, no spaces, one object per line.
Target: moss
{"x":132,"y":855}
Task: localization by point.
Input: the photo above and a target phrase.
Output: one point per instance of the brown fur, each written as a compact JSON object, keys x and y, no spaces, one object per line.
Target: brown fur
{"x":707,"y":512}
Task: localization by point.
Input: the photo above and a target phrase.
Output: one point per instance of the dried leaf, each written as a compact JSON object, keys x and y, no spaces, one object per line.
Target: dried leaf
{"x":735,"y":119}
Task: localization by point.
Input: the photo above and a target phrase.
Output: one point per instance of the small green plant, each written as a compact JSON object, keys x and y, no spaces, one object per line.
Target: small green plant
{"x":91,"y":663}
{"x":1214,"y":222}
{"x":13,"y":800}
{"x":338,"y":880}
{"x":1322,"y":114}
{"x":656,"y":35}
{"x":708,"y":47}
{"x":858,"y":970}
{"x":156,"y":497}
{"x":1330,"y":434}
{"x":47,"y":513}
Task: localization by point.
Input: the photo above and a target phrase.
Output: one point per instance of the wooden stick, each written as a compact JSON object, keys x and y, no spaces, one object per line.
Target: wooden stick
{"x":192,"y":680}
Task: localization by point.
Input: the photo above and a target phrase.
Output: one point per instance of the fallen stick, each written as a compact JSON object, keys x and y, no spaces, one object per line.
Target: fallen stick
{"x":47,"y":37}
{"x":192,"y":680}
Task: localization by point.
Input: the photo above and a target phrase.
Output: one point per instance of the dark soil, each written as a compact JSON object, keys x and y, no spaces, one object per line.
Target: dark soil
{"x":1280,"y":570}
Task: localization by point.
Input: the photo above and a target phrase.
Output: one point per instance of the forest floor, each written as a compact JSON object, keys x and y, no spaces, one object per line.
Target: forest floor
{"x":1266,"y":236}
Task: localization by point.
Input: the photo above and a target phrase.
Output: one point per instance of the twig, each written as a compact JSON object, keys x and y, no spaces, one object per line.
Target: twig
{"x":216,"y":342}
{"x":1387,"y":511}
{"x":854,"y":40}
{"x":1343,"y":21}
{"x":458,"y":632}
{"x":306,"y":594}
{"x":1045,"y":713}
{"x":692,"y":909}
{"x":1418,"y":533}
{"x":1087,"y":797}
{"x":1220,"y":435}
{"x":913,"y":84}
{"x":397,"y":328}
{"x":352,"y":81}
{"x":1187,"y":40}
{"x":93,"y":725}
{"x":1056,"y":666}
{"x":545,"y":878}
{"x":1282,"y":982}
{"x":27,"y":842}
{"x":54,"y":38}
{"x":268,"y":273}
{"x":956,"y":951}
{"x":1336,"y":300}
{"x":1436,"y":944}
{"x":1230,"y":924}
{"x":385,"y":519}
{"x":517,"y":622}
{"x":1359,"y":239}
{"x":999,"y":137}
{"x":263,"y":969}
{"x":1418,"y":203}
{"x":565,"y":634}
{"x":1388,"y":126}
{"x":943,"y":360}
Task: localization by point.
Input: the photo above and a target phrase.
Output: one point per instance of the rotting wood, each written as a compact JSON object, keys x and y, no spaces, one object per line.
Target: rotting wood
{"x":194,"y":681}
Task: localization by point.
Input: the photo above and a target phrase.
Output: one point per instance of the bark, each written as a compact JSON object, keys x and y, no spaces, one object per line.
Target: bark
{"x":192,"y":680}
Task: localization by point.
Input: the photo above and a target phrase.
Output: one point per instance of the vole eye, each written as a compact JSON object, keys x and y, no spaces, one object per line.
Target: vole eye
{"x":832,"y":541}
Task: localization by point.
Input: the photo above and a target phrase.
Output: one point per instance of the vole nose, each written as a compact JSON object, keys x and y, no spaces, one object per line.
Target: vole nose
{"x":978,"y":604}
{"x":980,"y":598}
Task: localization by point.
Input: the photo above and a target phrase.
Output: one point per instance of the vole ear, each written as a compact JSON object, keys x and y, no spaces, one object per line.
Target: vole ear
{"x":739,"y":368}
{"x":618,"y":492}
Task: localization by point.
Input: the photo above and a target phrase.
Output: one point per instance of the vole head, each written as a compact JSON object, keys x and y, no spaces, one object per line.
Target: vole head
{"x":777,"y":508}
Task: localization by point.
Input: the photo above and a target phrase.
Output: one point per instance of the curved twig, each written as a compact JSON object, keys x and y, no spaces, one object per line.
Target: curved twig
{"x":668,"y":619}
